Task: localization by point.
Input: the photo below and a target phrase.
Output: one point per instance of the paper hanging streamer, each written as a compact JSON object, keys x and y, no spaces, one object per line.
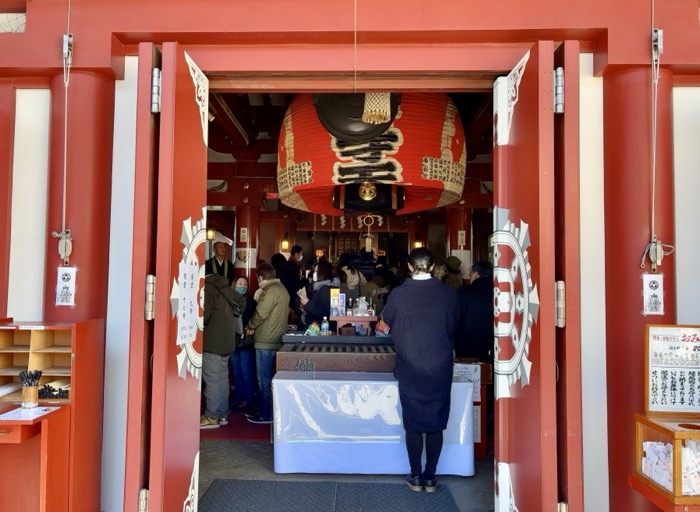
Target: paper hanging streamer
{"x":65,"y":286}
{"x":653,"y":294}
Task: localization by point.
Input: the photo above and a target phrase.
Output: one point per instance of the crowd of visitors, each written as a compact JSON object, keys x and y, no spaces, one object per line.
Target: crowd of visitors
{"x":432,"y":314}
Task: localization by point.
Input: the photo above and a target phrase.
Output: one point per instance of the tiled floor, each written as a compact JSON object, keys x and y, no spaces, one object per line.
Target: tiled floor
{"x":254,"y":460}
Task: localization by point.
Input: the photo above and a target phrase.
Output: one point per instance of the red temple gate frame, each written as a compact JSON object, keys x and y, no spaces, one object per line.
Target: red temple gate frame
{"x":254,"y":72}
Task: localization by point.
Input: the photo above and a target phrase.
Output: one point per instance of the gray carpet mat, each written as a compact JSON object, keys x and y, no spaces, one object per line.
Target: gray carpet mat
{"x":286,"y":496}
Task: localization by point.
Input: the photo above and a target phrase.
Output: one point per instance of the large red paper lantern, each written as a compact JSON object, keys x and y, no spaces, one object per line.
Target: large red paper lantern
{"x":422,"y":155}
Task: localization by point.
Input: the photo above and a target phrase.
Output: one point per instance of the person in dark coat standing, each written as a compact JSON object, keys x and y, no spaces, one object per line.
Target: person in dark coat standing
{"x":220,"y":300}
{"x":422,"y":314}
{"x":475,"y":331}
{"x":243,"y":358}
{"x":319,"y":304}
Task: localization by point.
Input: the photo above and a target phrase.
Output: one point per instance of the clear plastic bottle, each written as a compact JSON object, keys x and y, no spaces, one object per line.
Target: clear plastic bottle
{"x":325,"y":327}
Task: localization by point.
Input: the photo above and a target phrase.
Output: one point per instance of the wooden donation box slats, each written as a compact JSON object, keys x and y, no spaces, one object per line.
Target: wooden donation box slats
{"x":335,"y":356}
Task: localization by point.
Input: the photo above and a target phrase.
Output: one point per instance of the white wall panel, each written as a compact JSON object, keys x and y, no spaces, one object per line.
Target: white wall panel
{"x":686,"y":158}
{"x":593,"y":356}
{"x":119,"y":294}
{"x":30,"y":164}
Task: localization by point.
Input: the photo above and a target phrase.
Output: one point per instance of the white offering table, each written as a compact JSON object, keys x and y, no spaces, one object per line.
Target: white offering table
{"x":350,"y":422}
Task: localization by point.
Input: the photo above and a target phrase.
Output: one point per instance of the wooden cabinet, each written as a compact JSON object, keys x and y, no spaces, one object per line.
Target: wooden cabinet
{"x":673,"y":474}
{"x":70,"y":355}
{"x":667,"y":435}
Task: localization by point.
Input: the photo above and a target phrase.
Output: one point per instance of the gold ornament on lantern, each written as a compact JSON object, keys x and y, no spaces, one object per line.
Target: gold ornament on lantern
{"x":377,"y":109}
{"x":368,"y":191}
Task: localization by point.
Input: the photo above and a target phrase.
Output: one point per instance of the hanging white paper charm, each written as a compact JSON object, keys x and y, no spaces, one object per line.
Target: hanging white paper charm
{"x":187,"y":308}
{"x":65,"y":286}
{"x":653,"y":285}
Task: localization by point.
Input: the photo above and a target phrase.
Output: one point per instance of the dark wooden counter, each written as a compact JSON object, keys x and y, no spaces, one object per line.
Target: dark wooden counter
{"x":336,"y":354}
{"x":298,"y":337}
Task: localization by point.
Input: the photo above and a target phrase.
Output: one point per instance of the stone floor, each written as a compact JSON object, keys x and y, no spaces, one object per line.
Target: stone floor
{"x":254,"y":460}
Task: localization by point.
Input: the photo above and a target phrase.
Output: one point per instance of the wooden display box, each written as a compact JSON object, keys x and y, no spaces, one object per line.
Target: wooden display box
{"x":671,"y":416}
{"x":676,"y":431}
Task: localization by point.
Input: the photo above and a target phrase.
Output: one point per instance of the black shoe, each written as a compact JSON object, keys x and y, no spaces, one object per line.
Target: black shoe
{"x":249,"y":410}
{"x":239,"y":408}
{"x":415,"y":483}
{"x":430,"y":484}
{"x":257,"y":419}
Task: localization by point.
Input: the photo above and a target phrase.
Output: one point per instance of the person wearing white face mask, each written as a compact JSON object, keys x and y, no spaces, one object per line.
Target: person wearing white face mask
{"x":319,"y":303}
{"x":268,"y":324}
{"x":295,"y":257}
{"x":289,"y":273}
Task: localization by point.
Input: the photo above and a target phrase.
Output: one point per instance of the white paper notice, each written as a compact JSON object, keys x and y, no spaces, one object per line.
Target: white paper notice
{"x":653,"y":294}
{"x":187,"y":304}
{"x":468,"y":372}
{"x":466,"y":258}
{"x":26,"y":414}
{"x":461,"y":237}
{"x":246,"y":258}
{"x":65,"y":286}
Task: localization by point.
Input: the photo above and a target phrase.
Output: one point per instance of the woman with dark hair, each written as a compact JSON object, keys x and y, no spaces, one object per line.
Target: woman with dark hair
{"x":355,"y":279}
{"x":422,"y":314}
{"x":319,"y":304}
{"x":243,"y":358}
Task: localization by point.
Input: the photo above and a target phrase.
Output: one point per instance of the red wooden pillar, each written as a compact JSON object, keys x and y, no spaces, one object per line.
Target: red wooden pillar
{"x":411,"y":235}
{"x":285,"y":229}
{"x":459,"y":218}
{"x":458,"y":223}
{"x":628,"y":192}
{"x":90,"y":126}
{"x":247,"y":229}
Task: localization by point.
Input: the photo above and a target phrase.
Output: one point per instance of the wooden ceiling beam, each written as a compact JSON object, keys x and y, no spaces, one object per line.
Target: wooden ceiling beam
{"x":480,"y":127}
{"x":230,"y":115}
{"x":480,"y":170}
{"x":227,"y":170}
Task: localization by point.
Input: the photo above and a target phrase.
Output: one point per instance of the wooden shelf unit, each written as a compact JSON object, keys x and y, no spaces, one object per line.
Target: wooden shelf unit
{"x":72,"y":353}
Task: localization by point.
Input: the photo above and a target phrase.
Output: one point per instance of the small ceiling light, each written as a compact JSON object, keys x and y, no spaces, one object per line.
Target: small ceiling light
{"x":284,"y":244}
{"x":368,"y":191}
{"x":417,"y":244}
{"x":211,"y":233}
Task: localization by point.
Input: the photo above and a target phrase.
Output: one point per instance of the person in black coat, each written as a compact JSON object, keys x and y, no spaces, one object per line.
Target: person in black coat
{"x":288,"y":273}
{"x":475,"y":332}
{"x":422,"y":314}
{"x":319,"y":303}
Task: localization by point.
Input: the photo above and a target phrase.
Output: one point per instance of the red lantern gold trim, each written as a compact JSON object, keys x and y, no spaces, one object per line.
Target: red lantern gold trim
{"x":423,"y":151}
